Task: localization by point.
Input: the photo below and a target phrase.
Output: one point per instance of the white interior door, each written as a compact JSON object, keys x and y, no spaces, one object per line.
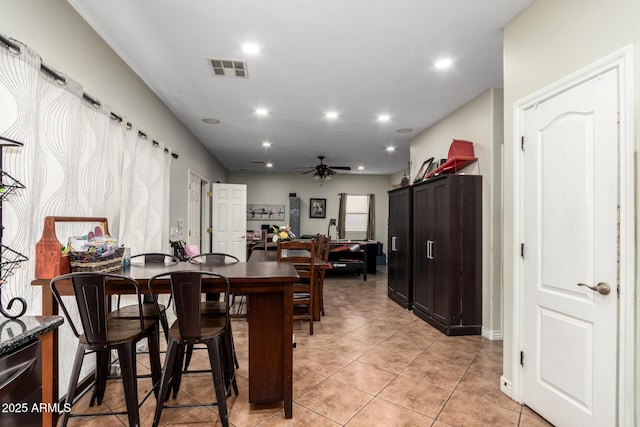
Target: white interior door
{"x":570,"y":219}
{"x":195,"y":210}
{"x":229,"y":220}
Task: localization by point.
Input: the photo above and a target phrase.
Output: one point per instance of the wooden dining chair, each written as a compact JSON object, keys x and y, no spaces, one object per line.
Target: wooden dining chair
{"x":324,"y":247}
{"x":102,"y":334}
{"x":191,"y":327}
{"x":302,"y":255}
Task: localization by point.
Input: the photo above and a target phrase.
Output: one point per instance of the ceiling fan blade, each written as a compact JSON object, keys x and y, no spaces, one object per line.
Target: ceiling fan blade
{"x":344,"y":168}
{"x":309,"y":171}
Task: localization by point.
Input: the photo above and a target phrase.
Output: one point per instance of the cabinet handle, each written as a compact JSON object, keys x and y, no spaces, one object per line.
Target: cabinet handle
{"x":432,"y":244}
{"x":394,"y":241}
{"x":428,"y":249}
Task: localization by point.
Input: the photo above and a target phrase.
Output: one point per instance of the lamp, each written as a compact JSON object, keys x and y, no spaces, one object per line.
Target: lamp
{"x":322,"y":174}
{"x":332,"y":221}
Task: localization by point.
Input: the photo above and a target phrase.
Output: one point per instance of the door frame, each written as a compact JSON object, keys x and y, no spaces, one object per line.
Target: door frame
{"x":205,"y":216}
{"x":622,"y":61}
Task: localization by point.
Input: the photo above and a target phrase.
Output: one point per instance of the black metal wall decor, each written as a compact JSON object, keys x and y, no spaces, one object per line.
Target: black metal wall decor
{"x":10,"y":259}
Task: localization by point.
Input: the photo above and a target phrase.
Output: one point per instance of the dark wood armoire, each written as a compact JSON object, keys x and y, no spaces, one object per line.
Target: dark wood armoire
{"x":447,"y":253}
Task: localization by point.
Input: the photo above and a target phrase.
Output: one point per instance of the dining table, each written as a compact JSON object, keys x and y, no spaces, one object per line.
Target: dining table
{"x":268,"y":285}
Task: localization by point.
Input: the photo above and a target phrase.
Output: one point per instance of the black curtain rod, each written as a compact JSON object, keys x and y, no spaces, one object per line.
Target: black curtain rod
{"x":15,"y":48}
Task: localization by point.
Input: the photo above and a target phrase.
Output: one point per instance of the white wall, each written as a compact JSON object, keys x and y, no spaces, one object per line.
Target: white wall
{"x":67,"y":43}
{"x":546,"y":42}
{"x":478,"y":121}
{"x":274,"y":188}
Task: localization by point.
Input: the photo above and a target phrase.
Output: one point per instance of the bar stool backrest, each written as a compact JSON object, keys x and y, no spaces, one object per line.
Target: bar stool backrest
{"x":186,"y":288}
{"x":90,"y":294}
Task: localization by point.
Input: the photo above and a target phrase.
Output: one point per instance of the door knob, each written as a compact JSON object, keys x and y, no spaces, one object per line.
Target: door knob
{"x":602,"y":287}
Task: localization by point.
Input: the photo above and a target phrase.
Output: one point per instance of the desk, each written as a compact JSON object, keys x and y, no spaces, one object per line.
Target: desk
{"x":270,"y":311}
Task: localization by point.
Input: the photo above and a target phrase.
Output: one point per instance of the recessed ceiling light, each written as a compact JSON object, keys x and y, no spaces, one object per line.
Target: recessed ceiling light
{"x":391,"y":149}
{"x":404,"y":130}
{"x":360,"y":168}
{"x":443,"y":63}
{"x":262,"y":111}
{"x":384,"y":118}
{"x":269,"y":165}
{"x":211,"y":121}
{"x":331,"y":115}
{"x":266,"y":144}
{"x":250,"y":48}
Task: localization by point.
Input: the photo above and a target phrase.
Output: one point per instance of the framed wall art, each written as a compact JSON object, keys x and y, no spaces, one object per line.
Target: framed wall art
{"x":317,"y":208}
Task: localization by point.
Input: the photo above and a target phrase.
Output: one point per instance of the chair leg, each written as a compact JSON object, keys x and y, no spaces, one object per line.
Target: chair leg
{"x":231,"y":360}
{"x":213,"y":346}
{"x":177,"y":370}
{"x":321,"y":295}
{"x":165,"y":325}
{"x":127,"y":356}
{"x":187,"y":357}
{"x":102,"y":372}
{"x":73,"y":381}
{"x":154,"y":360}
{"x":167,"y":373}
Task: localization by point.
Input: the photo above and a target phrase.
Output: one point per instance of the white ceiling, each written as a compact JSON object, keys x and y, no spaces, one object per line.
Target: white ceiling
{"x":360,"y":58}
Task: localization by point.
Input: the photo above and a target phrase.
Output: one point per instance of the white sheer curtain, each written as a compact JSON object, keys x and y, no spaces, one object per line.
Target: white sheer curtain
{"x":76,"y":161}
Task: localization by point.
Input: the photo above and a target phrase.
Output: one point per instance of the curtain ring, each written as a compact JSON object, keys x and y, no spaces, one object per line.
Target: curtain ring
{"x":15,"y":49}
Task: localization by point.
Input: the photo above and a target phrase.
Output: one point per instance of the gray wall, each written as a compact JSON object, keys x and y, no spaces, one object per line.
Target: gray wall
{"x":274,"y":188}
{"x":478,"y":121}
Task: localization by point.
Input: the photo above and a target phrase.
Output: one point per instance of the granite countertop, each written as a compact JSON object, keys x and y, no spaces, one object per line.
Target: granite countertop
{"x":16,"y":333}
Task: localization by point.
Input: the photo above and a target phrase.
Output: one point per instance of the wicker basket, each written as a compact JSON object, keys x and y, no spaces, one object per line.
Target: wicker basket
{"x":91,"y":262}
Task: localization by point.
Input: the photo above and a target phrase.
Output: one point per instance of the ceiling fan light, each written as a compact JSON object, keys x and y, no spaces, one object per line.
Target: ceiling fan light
{"x":327,"y":178}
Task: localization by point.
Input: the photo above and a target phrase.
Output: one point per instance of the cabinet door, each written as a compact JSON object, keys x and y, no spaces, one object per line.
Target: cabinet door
{"x":440,"y":235}
{"x":392,"y":265}
{"x":422,"y":213}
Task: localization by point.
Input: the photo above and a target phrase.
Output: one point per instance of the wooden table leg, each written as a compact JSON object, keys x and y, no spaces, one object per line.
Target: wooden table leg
{"x":288,"y":351}
{"x":49,"y":361}
{"x":270,"y":318}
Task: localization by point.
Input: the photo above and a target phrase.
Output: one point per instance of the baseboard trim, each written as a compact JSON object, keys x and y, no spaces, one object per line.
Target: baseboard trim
{"x":491,"y":335}
{"x":506,"y":386}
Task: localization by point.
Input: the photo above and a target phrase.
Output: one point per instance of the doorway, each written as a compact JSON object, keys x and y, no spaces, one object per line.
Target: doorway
{"x":573,"y":221}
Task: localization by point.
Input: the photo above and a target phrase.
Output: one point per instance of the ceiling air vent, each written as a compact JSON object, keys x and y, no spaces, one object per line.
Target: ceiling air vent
{"x":229,"y":68}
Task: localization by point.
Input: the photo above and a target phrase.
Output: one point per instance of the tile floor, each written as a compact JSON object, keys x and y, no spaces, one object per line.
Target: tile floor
{"x":369,"y":363}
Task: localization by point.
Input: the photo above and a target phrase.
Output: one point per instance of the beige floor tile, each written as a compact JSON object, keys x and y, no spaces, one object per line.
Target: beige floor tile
{"x":304,"y":380}
{"x":335,"y":401}
{"x":322,"y":362}
{"x":379,"y":412}
{"x":111,"y":421}
{"x":533,"y":421}
{"x":244,"y":414}
{"x":485,"y":385}
{"x":197,"y":417}
{"x":436,"y":370}
{"x":302,"y":417}
{"x":386,"y":358}
{"x":415,"y":394}
{"x":532,"y":414}
{"x":370,"y":335}
{"x":465,"y":410}
{"x":351,"y":348}
{"x":363,"y":377}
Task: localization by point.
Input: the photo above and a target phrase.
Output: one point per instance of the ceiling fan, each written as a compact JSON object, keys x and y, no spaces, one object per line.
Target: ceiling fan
{"x":323,"y":172}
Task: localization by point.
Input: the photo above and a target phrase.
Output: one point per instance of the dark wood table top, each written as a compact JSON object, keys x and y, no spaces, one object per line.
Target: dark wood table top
{"x":243,"y":276}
